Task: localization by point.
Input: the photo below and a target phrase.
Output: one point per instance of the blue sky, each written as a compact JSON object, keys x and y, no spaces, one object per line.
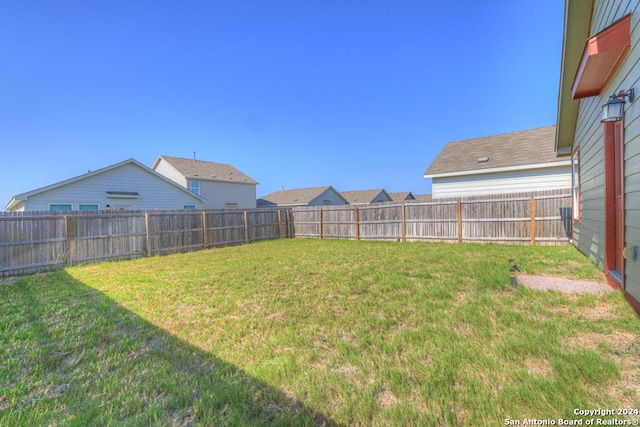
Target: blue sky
{"x":355,"y":94}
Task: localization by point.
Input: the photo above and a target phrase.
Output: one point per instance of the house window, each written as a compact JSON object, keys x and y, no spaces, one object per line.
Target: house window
{"x":194,"y":186}
{"x":575,"y":178}
{"x":231,"y":205}
{"x":88,"y":207}
{"x":60,"y":207}
{"x":121,"y":208}
{"x":190,"y":207}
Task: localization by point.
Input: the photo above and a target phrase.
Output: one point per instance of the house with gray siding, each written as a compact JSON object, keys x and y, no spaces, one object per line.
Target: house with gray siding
{"x":362,"y":197}
{"x":314,"y":196}
{"x":121,"y":186}
{"x":600,"y":55}
{"x":515,"y":162}
{"x":220,"y":184}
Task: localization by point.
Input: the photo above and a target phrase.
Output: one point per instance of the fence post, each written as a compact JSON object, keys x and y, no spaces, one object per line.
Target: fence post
{"x":279,"y":225}
{"x":532,"y":207}
{"x":356,"y":214}
{"x":289,"y":229}
{"x":67,"y":236}
{"x":246,"y":226}
{"x":320,"y":223}
{"x":205,"y":238}
{"x":147,"y":224}
{"x":459,"y":221}
{"x":404,"y":224}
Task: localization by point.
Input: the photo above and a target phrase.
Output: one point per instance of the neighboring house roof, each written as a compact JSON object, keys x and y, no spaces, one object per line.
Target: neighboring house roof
{"x":526,"y":149}
{"x":423,"y":197}
{"x":22,"y":197}
{"x":366,"y":196}
{"x":206,"y":171}
{"x":295,"y":197}
{"x":404,"y":195}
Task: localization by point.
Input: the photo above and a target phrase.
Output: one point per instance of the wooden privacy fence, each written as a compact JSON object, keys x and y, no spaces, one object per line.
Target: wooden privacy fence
{"x":31,"y":242}
{"x":539,"y":219}
{"x":35,"y":241}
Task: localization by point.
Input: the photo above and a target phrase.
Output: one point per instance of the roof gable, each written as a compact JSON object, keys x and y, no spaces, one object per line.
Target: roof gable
{"x":296,"y":197}
{"x":400,"y":196}
{"x":206,"y":171}
{"x":516,"y":149}
{"x":366,"y":196}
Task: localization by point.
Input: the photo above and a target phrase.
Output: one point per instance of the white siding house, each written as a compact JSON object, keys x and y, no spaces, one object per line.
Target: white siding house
{"x":125,"y":185}
{"x":515,"y":162}
{"x":221,"y":185}
{"x":600,"y":55}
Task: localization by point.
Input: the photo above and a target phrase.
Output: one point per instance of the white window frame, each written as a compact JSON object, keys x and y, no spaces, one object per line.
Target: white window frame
{"x":575,"y":184}
{"x":194,"y":186}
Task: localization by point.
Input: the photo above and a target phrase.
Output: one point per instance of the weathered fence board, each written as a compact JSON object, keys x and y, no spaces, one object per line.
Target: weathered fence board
{"x":36,"y":241}
{"x":543,"y":218}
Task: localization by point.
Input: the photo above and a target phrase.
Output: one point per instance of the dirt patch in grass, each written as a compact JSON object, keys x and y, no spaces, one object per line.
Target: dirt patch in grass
{"x":615,"y":340}
{"x":8,"y":280}
{"x":626,"y":353}
{"x":539,"y":367}
{"x":599,"y":312}
{"x":624,"y":349}
{"x":386,"y":398}
{"x":626,"y":391}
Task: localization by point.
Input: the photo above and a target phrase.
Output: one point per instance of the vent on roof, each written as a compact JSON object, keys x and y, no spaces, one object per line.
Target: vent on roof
{"x":483,"y":159}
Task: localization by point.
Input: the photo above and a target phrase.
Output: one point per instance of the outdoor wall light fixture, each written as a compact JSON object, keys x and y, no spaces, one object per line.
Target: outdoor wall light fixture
{"x":613,"y":110}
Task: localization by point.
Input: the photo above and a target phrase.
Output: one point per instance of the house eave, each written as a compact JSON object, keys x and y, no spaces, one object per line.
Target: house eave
{"x":502,"y":169}
{"x":226,"y":181}
{"x":577,"y":19}
{"x":14,"y":204}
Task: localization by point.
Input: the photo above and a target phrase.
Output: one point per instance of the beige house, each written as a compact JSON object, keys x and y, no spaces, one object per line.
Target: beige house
{"x":423,"y":197}
{"x":514,"y":162}
{"x":600,"y":55}
{"x":221,"y":185}
{"x":402,"y":196}
{"x":314,"y":196}
{"x":366,"y":196}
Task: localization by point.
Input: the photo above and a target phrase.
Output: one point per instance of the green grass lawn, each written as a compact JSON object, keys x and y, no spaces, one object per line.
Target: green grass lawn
{"x":304,"y":332}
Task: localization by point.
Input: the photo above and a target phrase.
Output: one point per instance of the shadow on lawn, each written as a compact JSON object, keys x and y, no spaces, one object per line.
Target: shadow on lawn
{"x":74,"y":355}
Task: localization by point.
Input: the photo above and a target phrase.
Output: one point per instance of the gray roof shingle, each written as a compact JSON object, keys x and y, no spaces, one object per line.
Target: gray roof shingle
{"x":198,"y":169}
{"x":295,"y":197}
{"x":521,"y":148}
{"x":365,"y":196}
{"x":404,"y":195}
